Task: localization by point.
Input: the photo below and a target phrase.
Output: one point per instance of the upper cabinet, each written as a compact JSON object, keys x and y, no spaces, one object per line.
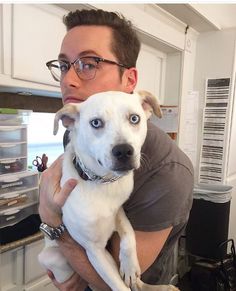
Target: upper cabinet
{"x":159,"y":71}
{"x":37,"y":32}
{"x":151,"y":66}
{"x":31,"y":35}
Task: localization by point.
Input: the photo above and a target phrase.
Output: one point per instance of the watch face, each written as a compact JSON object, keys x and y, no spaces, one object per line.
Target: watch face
{"x":46,"y":230}
{"x":50,"y":232}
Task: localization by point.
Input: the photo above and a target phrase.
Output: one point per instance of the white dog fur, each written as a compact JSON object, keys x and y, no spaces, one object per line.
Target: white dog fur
{"x":107,"y":133}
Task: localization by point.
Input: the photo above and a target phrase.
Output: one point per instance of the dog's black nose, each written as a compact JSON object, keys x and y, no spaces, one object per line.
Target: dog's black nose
{"x":123,"y":152}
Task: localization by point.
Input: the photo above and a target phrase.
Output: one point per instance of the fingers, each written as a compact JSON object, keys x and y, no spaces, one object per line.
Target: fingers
{"x":54,"y":172}
{"x":74,"y":283}
{"x":52,"y":197}
{"x":50,"y":274}
{"x":60,"y":198}
{"x":49,"y":188}
{"x":61,"y":194}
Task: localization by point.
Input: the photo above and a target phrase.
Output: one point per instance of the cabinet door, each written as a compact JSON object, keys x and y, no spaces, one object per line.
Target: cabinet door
{"x":151,"y":67}
{"x":32,"y":269}
{"x":12,"y":270}
{"x":45,"y":285}
{"x":37,"y":32}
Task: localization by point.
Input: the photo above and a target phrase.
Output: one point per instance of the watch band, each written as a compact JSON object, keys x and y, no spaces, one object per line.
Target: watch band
{"x":52,"y":232}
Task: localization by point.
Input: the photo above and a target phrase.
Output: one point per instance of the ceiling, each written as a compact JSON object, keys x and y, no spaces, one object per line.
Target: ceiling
{"x":204,"y":17}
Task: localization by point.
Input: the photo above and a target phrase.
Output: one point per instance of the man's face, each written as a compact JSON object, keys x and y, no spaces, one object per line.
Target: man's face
{"x":84,"y":41}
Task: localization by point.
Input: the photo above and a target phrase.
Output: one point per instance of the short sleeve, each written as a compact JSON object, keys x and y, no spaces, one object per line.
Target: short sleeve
{"x":162,"y":199}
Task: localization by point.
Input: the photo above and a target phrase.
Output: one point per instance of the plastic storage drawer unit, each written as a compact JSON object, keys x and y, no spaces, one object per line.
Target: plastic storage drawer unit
{"x":14,"y":116}
{"x":16,"y":214}
{"x":13,"y":134}
{"x":13,"y":150}
{"x":18,"y":198}
{"x":9,"y":166}
{"x":18,"y":182}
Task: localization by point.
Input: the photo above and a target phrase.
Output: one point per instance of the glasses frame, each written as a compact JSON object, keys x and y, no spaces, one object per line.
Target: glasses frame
{"x":96,"y":59}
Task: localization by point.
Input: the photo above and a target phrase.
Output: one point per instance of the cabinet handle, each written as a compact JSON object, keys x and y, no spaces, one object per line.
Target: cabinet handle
{"x":8,"y":145}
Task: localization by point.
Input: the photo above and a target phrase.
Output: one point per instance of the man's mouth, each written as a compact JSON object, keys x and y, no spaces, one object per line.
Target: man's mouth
{"x":72,"y":100}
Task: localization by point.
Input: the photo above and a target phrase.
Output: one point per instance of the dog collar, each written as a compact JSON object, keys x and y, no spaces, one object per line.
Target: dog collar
{"x":87,"y":174}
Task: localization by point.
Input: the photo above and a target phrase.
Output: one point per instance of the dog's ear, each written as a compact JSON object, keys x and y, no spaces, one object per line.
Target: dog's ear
{"x":150,"y":104}
{"x":67,"y":115}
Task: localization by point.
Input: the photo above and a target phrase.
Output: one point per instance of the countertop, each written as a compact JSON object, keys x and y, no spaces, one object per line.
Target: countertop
{"x":21,"y":242}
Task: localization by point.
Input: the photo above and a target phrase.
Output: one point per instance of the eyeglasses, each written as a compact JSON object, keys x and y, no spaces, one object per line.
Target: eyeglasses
{"x":84,"y":67}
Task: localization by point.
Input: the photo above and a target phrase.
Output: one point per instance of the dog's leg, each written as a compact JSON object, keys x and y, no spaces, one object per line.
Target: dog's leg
{"x":52,"y":259}
{"x":106,"y":267}
{"x":129,"y":265}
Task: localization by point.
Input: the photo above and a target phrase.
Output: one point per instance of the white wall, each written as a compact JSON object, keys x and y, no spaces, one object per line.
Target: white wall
{"x":215,"y":58}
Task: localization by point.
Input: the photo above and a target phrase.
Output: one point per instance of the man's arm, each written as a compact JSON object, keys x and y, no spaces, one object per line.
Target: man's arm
{"x":78,"y":259}
{"x":148,"y":244}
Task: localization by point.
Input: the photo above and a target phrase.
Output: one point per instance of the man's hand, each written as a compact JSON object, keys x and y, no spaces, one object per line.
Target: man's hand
{"x":74,"y":283}
{"x":52,"y":197}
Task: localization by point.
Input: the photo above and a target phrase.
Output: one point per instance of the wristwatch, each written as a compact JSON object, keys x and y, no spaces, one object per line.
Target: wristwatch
{"x":52,"y":232}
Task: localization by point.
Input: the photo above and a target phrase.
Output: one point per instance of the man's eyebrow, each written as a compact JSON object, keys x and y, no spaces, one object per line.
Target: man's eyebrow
{"x":82,"y":54}
{"x":88,"y":52}
{"x":62,"y":56}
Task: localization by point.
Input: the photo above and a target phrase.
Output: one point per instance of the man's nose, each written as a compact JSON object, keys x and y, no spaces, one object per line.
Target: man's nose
{"x":71,"y":78}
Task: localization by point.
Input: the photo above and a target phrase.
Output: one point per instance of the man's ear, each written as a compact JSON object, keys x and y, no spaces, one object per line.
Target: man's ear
{"x":129,"y":80}
{"x":67,"y":115}
{"x":150,"y":104}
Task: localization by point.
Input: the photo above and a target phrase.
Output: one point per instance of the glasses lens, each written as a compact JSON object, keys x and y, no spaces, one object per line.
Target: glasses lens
{"x":86,"y":68}
{"x":58,"y":69}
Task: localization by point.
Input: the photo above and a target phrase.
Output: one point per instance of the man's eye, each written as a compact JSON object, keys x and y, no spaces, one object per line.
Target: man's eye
{"x":88,"y":66}
{"x":134,"y":118}
{"x":63,"y":67}
{"x":97,"y":123}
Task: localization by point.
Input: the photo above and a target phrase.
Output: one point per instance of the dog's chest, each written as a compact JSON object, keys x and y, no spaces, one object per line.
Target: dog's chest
{"x":90,"y":211}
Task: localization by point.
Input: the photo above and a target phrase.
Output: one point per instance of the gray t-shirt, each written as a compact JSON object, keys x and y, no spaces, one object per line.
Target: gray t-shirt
{"x":162,"y":197}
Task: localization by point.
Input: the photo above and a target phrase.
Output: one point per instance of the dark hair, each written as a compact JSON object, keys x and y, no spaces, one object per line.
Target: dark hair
{"x":125,"y":44}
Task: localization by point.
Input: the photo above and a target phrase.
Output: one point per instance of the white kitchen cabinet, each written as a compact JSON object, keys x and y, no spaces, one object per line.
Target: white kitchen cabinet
{"x":11,"y":275}
{"x":31,"y":35}
{"x":151,"y":66}
{"x":34,"y":278}
{"x":159,"y":72}
{"x":21,"y":271}
{"x":44,"y":284}
{"x":37,"y":32}
{"x":32,"y":268}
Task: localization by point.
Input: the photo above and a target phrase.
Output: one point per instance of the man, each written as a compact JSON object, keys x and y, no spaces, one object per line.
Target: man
{"x":99,"y":53}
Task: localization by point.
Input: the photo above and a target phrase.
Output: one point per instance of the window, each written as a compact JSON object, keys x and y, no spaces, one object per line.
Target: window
{"x":41,"y":139}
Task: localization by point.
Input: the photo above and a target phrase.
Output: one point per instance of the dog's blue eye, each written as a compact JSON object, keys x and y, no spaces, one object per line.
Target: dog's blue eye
{"x":134,"y":118}
{"x":96,"y":123}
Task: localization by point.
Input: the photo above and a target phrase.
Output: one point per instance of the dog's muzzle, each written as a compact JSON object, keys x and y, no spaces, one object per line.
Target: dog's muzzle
{"x":123,"y":157}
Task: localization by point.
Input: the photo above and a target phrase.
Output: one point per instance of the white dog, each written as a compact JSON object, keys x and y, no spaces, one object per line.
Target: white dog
{"x":107,"y":133}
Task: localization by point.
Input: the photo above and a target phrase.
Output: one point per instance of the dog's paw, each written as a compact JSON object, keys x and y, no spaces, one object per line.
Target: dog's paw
{"x":129,"y":270}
